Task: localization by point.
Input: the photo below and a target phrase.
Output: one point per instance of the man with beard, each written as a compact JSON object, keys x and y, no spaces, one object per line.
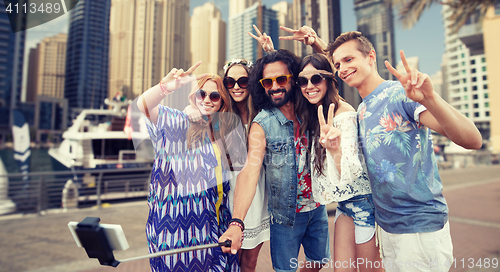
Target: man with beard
{"x":275,"y":143}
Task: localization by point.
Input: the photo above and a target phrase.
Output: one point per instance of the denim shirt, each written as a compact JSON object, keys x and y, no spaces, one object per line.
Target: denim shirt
{"x":279,"y":163}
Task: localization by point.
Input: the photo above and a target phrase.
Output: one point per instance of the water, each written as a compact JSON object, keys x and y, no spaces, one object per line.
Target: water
{"x":39,"y":160}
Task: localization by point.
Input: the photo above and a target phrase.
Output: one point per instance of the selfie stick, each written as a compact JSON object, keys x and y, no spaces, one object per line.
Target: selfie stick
{"x":99,"y":241}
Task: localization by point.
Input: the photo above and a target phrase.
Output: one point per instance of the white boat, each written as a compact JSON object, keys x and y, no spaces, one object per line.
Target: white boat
{"x":97,"y":140}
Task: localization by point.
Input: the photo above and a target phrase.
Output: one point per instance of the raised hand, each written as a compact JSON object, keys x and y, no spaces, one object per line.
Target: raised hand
{"x":177,"y":78}
{"x":304,"y":35}
{"x":329,"y":136}
{"x":265,"y":41}
{"x":418,"y":86}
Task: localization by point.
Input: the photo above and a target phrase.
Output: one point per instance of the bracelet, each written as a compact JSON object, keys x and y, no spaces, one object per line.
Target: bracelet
{"x":239,"y":221}
{"x":164,"y":92}
{"x":236,"y":224}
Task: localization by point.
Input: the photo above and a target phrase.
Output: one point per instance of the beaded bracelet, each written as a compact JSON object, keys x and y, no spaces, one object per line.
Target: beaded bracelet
{"x":239,"y":221}
{"x":164,"y":91}
{"x":234,"y":223}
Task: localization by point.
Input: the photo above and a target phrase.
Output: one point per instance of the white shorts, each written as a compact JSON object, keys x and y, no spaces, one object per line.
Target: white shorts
{"x":426,"y":251}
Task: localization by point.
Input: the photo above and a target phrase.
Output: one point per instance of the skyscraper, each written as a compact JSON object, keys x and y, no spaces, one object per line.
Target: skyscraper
{"x":46,"y":68}
{"x":284,"y":13}
{"x":208,"y":39}
{"x":241,"y":45}
{"x":11,"y":68}
{"x":147,"y":39}
{"x":467,"y":76}
{"x":86,"y":83}
{"x":321,"y":15}
{"x":376,"y":21}
{"x":121,"y":48}
{"x":175,"y":35}
{"x":238,"y":6}
{"x":32,"y":80}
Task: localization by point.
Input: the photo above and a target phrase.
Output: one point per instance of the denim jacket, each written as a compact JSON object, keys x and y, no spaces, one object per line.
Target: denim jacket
{"x":279,"y":163}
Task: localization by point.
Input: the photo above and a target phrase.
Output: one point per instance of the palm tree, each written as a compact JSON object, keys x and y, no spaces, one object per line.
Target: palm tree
{"x":411,"y":10}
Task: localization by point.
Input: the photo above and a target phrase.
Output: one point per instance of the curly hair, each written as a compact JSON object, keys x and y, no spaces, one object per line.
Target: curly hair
{"x":259,"y":97}
{"x":308,"y":112}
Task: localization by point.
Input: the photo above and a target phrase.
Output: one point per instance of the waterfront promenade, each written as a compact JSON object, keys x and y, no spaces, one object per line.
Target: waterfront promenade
{"x":44,"y":243}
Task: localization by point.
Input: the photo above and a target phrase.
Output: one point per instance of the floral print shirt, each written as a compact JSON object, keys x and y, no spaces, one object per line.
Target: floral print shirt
{"x":305,"y":200}
{"x":406,"y":186}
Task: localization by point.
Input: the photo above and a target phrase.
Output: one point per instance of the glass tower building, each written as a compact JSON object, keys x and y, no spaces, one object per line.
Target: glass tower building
{"x":376,"y":21}
{"x":86,"y":82}
{"x":11,"y":68}
{"x":241,"y":45}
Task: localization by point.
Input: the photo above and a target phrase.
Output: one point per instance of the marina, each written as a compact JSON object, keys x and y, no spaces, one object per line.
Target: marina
{"x":95,"y":161}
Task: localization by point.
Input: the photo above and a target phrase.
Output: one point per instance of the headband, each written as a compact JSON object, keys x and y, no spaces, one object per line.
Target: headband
{"x":243,"y":62}
{"x":312,"y":72}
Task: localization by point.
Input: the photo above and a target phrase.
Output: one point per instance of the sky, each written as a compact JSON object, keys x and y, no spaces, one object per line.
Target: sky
{"x":425,"y":39}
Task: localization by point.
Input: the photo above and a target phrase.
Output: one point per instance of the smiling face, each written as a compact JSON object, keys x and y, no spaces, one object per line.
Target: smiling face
{"x":237,"y":93}
{"x":313,"y":93}
{"x":352,"y":66}
{"x":206,"y":105}
{"x":279,"y":95}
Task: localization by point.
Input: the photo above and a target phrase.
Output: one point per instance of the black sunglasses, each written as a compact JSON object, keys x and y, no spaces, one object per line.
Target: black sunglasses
{"x":229,"y":82}
{"x":281,"y":80}
{"x":201,"y":94}
{"x":316,"y":79}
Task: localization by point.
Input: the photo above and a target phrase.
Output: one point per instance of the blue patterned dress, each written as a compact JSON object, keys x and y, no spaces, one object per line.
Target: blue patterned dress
{"x":186,"y":200}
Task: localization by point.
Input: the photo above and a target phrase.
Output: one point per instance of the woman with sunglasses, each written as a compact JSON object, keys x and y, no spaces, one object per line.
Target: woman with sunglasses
{"x":257,"y":228}
{"x":188,"y":202}
{"x":338,"y":169}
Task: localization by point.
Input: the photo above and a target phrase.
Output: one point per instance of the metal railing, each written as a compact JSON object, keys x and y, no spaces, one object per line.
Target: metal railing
{"x":39,"y":191}
{"x":469,"y":159}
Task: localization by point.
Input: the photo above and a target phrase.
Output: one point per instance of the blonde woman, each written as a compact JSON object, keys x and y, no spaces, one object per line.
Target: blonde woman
{"x":188,"y":199}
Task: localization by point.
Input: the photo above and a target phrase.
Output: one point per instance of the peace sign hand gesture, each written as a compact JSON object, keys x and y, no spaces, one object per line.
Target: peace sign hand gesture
{"x":177,"y":78}
{"x":265,"y":41}
{"x":418,"y":86}
{"x":329,"y":135}
{"x":304,"y":35}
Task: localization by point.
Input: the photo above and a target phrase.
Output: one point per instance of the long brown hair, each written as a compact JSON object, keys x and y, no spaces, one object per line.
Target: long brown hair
{"x":251,"y":111}
{"x":308,"y":113}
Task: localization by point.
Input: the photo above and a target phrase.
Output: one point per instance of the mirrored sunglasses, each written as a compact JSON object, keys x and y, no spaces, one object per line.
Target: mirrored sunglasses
{"x":316,"y":79}
{"x":201,"y":94}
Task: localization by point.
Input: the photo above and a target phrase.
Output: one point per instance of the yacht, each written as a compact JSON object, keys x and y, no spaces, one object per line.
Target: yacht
{"x":96,"y":141}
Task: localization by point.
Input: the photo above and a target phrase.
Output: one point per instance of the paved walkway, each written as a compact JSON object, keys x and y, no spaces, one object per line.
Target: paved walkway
{"x":44,"y":243}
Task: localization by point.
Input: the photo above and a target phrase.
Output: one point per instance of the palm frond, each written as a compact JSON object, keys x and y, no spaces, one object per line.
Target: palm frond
{"x":410,"y":11}
{"x":463,"y":10}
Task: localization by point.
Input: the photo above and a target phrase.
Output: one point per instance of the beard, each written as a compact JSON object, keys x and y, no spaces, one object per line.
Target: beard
{"x":289,"y":95}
